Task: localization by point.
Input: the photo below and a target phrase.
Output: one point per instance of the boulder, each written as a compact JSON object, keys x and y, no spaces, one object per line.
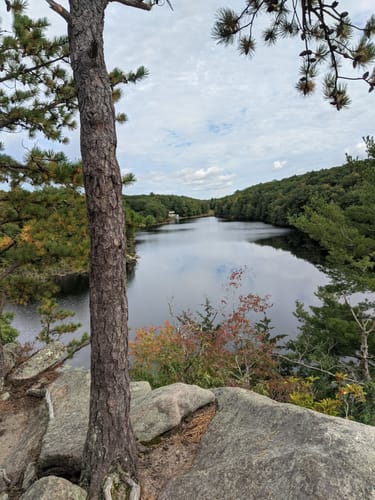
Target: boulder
{"x":256,"y":448}
{"x":138,"y":390}
{"x":152,"y":413}
{"x":20,"y":437}
{"x":11,"y":353}
{"x":56,"y":488}
{"x":43,"y":359}
{"x":163,"y":409}
{"x":62,"y":444}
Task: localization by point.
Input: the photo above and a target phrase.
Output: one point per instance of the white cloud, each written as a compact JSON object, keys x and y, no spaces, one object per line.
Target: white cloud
{"x":211,"y":177}
{"x":210,"y":121}
{"x":279,"y":164}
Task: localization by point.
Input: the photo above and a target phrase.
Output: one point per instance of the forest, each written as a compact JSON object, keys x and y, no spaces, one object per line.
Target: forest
{"x":154,"y":208}
{"x":48,"y":228}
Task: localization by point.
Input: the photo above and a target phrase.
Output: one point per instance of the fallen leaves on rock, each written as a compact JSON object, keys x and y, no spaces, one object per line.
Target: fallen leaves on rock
{"x":173,"y":453}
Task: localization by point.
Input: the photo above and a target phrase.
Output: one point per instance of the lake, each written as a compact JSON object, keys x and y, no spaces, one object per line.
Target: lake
{"x":181,"y":264}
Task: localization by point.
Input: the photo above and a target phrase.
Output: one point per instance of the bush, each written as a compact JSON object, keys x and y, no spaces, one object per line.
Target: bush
{"x":200,"y":349}
{"x":7,"y":332}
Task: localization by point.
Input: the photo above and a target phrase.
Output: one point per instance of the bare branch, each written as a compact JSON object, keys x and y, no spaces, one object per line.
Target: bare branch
{"x":311,"y":367}
{"x":60,"y":10}
{"x":138,"y":4}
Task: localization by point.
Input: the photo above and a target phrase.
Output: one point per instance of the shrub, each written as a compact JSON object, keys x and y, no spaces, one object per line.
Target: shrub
{"x":200,"y":349}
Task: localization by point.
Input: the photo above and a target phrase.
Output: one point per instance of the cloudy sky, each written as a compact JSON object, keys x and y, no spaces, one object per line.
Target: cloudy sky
{"x":208,"y":121}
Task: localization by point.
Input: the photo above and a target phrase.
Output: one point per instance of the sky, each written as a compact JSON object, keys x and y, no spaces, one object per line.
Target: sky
{"x":208,"y":121}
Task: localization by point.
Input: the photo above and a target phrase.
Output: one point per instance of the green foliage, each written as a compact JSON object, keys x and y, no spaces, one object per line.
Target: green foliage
{"x":52,"y":319}
{"x":76,"y":344}
{"x":330,"y":334}
{"x":44,"y":98}
{"x":364,"y":411}
{"x":327,"y":37}
{"x":7,"y":332}
{"x":42,"y":234}
{"x":158,"y":206}
{"x":43,"y":231}
{"x":345,"y":401}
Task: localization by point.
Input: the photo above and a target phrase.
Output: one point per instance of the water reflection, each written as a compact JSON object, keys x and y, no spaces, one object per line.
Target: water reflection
{"x":182,"y":264}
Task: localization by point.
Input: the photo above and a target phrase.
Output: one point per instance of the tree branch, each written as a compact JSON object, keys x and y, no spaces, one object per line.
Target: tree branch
{"x":310,"y":367}
{"x":138,"y":4}
{"x":9,"y":270}
{"x":60,"y":10}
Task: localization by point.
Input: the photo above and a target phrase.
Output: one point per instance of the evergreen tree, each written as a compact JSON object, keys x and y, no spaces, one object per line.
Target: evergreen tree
{"x":42,"y":229}
{"x":327,"y":36}
{"x":36,"y":95}
{"x":110,"y":445}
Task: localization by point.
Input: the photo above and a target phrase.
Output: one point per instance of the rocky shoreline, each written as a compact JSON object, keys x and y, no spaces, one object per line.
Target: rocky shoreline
{"x":249,"y":447}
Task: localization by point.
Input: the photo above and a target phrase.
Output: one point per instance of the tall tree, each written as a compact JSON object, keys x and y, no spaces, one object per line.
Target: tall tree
{"x":110,"y":446}
{"x":327,"y":35}
{"x":29,"y":69}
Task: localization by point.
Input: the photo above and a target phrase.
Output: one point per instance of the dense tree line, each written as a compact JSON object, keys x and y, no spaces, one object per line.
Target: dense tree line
{"x":349,"y":186}
{"x":154,"y":208}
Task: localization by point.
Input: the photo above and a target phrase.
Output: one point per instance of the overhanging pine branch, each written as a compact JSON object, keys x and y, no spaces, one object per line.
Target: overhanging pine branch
{"x":138,"y":4}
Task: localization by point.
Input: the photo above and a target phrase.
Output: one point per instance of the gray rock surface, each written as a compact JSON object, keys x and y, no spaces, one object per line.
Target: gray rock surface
{"x":54,"y":488}
{"x":256,"y":449}
{"x":139,"y":390}
{"x":164,"y":408}
{"x":11,"y":353}
{"x":62,"y":444}
{"x":39,"y":362}
{"x":152,"y":413}
{"x":5,"y":396}
{"x":29,"y":476}
{"x":20,"y":438}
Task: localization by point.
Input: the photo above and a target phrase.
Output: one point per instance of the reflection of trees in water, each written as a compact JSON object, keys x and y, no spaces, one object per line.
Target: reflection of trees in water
{"x":298,"y":244}
{"x":130,"y":272}
{"x":77,"y":284}
{"x":73,"y":284}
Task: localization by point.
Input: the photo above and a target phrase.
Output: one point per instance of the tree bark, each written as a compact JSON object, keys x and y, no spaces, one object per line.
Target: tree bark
{"x":110,"y":444}
{"x":2,"y":359}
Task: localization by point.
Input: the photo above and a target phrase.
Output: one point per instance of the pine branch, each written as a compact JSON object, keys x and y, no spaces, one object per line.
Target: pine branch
{"x":138,"y":4}
{"x":15,"y":74}
{"x":60,"y":10}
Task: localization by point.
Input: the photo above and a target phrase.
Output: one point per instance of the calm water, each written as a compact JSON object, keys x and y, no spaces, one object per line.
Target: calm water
{"x":182,"y":264}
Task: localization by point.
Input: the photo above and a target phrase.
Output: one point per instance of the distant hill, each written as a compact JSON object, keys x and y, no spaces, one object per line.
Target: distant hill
{"x":276,"y":201}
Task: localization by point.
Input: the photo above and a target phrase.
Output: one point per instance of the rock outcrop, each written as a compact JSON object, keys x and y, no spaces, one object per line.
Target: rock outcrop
{"x":164,"y":408}
{"x":20,"y":443}
{"x":256,"y":448}
{"x":11,"y":353}
{"x":42,"y":360}
{"x":152,"y":413}
{"x":56,"y":488}
{"x":63,"y":443}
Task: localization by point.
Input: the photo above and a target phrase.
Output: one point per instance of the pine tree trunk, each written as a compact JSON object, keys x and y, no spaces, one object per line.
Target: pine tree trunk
{"x":110,"y":444}
{"x":2,"y":359}
{"x":2,"y":367}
